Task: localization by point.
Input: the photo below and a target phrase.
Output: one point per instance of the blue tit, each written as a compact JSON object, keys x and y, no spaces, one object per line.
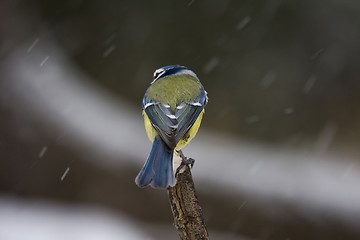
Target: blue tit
{"x":173,"y":107}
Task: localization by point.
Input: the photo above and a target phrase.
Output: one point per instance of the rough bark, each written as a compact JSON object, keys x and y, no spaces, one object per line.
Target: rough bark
{"x":187,"y":213}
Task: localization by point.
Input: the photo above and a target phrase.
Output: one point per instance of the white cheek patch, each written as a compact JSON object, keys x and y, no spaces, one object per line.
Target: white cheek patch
{"x":157,"y":74}
{"x":158,"y":71}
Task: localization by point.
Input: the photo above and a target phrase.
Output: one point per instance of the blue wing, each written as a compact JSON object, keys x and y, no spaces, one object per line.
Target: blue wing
{"x":172,"y":125}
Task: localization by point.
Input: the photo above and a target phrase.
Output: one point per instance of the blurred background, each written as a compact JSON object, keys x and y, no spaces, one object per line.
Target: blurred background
{"x":277,"y":156}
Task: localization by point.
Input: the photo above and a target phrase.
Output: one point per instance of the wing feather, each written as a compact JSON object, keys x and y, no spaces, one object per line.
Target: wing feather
{"x":172,"y":126}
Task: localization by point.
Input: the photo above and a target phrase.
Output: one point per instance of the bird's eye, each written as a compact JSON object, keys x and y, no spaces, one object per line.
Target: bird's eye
{"x":158,"y":73}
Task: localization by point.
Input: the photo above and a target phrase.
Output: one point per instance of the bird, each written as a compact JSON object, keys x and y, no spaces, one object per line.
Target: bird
{"x":173,"y":107}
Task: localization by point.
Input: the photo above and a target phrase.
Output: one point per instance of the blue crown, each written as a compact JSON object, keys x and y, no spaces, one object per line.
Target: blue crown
{"x":172,"y":70}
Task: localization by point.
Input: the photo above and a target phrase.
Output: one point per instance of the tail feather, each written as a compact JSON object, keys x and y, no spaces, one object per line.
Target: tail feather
{"x":158,"y":169}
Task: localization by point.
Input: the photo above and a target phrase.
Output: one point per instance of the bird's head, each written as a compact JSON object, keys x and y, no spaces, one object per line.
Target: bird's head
{"x":171,"y":71}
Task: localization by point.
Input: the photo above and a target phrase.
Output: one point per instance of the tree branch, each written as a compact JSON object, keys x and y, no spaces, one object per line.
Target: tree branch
{"x":187,"y":213}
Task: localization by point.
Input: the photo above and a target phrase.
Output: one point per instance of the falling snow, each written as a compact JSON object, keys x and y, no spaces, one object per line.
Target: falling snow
{"x":190,"y":3}
{"x":44,"y":61}
{"x":43,"y":151}
{"x":326,"y":137}
{"x":317,"y":54}
{"x":65,"y":173}
{"x":268,"y":79}
{"x":109,"y":39}
{"x":252,"y":119}
{"x":33,"y":45}
{"x":243,"y":23}
{"x":309,"y":84}
{"x":242,"y":205}
{"x":109,"y":50}
{"x":211,"y":64}
{"x":289,"y":110}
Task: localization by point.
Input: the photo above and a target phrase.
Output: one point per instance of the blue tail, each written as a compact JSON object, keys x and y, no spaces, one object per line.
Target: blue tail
{"x":158,"y":169}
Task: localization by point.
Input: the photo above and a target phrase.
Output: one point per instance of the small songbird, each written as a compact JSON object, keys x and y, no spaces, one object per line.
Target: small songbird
{"x":173,"y":107}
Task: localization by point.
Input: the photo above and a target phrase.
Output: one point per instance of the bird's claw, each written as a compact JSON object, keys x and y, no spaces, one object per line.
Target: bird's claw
{"x":184,"y":162}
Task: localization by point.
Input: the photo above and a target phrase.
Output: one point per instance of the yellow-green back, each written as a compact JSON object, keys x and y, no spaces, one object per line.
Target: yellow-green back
{"x":175,"y":89}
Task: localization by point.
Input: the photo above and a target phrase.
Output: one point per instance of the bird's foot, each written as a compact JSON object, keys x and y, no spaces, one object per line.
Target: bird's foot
{"x":184,"y":162}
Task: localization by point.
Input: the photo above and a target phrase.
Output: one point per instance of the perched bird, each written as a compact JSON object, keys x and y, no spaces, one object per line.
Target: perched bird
{"x":173,"y":107}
